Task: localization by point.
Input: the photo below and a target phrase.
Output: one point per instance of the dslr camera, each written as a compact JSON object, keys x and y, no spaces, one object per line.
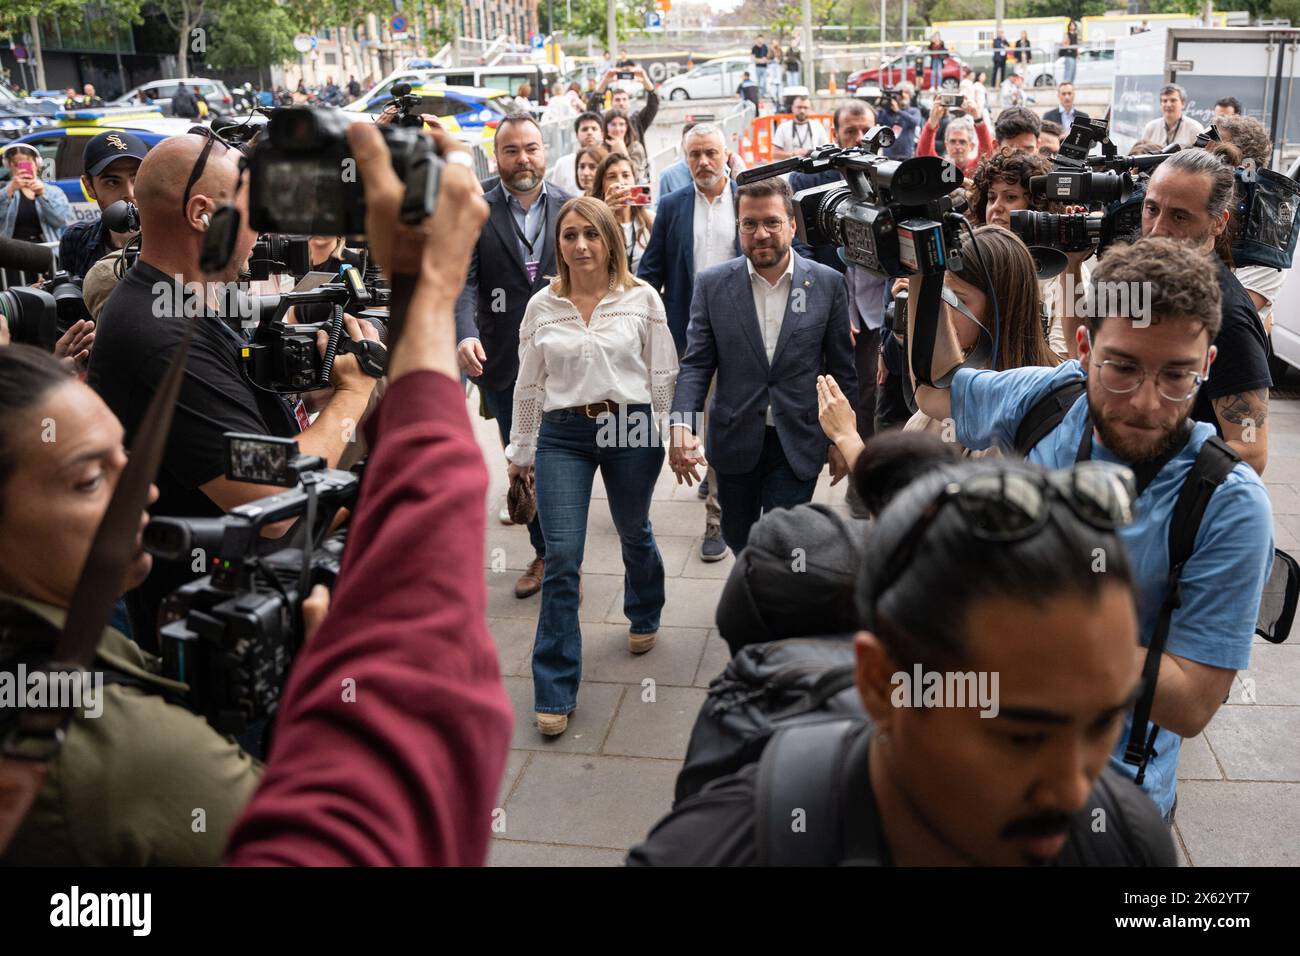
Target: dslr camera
{"x":232,"y":634}
{"x":303,"y":179}
{"x":892,"y":217}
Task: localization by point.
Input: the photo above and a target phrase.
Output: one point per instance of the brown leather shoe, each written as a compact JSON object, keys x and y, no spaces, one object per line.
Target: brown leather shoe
{"x":530,"y":582}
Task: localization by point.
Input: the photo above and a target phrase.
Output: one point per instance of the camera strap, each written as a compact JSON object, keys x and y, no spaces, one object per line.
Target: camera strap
{"x":924,"y":335}
{"x":35,"y":741}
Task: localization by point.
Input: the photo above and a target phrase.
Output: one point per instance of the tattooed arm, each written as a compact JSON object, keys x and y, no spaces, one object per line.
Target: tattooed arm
{"x":1244,"y":420}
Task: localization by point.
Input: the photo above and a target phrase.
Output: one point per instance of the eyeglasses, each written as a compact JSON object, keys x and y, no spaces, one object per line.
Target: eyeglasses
{"x":201,"y":163}
{"x":750,"y":226}
{"x":1006,"y":506}
{"x":1173,"y":384}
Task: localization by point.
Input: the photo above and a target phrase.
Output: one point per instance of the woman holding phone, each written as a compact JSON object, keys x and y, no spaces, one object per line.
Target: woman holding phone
{"x":629,"y":202}
{"x":28,"y":209}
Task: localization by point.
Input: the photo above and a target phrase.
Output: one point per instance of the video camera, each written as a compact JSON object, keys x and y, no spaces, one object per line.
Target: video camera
{"x":282,"y":356}
{"x":1078,"y":178}
{"x":893,"y":217}
{"x":406,"y":102}
{"x":39,"y":315}
{"x":232,"y":634}
{"x":275,"y":254}
{"x":303,"y":178}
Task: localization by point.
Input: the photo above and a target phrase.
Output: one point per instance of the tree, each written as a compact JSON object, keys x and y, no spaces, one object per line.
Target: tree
{"x":589,"y":18}
{"x":251,"y":33}
{"x":20,"y":16}
{"x":186,"y":17}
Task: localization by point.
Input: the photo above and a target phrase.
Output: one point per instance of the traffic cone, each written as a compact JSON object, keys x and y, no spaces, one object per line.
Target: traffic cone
{"x":832,"y":86}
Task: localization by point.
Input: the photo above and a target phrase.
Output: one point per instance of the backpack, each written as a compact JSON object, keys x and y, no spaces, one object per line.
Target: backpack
{"x":794,"y":578}
{"x":763,"y":688}
{"x":813,"y":804}
{"x":1213,"y":464}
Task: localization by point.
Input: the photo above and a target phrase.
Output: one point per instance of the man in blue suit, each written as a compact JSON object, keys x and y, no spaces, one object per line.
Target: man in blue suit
{"x":695,"y":229}
{"x":767,"y":324}
{"x":853,"y":120}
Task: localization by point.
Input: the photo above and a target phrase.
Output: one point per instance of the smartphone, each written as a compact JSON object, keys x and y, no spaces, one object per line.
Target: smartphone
{"x":25,"y":167}
{"x":625,"y":75}
{"x":952,"y":100}
{"x":639,"y":195}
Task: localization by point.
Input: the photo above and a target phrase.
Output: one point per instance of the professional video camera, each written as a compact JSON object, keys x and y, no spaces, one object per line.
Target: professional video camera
{"x":303,"y":178}
{"x":39,"y":316}
{"x":282,"y":356}
{"x":232,"y":634}
{"x":1114,"y":183}
{"x":893,"y":217}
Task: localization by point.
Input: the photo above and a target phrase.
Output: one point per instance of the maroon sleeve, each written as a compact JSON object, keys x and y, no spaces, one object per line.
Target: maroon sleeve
{"x":394,"y":727}
{"x":925,"y":145}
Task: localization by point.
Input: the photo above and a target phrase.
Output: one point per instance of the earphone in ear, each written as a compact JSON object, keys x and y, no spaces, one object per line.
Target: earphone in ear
{"x":207,"y":223}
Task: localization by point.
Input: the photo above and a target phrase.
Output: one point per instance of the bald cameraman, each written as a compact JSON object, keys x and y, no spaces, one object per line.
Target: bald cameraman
{"x":180,"y":186}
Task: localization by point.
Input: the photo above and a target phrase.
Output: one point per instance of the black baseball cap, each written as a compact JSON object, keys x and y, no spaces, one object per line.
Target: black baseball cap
{"x":112,"y":145}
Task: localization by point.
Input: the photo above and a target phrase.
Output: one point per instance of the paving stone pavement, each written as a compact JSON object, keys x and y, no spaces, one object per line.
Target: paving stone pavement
{"x":584,"y":798}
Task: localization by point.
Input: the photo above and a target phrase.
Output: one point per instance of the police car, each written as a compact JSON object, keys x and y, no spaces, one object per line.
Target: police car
{"x":470,"y":111}
{"x":61,"y":145}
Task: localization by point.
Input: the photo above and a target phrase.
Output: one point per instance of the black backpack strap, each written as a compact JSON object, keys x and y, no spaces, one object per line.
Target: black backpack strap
{"x":1213,"y":464}
{"x":813,"y":803}
{"x":1046,"y":413}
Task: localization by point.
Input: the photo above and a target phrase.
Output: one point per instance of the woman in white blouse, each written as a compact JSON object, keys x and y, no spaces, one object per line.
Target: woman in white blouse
{"x":597,"y":367}
{"x":616,"y":184}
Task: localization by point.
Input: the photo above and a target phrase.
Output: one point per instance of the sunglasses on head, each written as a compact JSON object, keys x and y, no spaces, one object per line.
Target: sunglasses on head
{"x":201,"y":163}
{"x":1006,"y":506}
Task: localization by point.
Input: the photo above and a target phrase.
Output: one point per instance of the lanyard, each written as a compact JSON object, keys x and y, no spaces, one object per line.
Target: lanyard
{"x":1170,"y":137}
{"x":540,"y":232}
{"x":1144,"y":471}
{"x":798,"y":140}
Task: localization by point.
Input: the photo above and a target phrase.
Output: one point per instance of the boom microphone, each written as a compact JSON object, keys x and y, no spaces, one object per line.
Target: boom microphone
{"x":28,"y":257}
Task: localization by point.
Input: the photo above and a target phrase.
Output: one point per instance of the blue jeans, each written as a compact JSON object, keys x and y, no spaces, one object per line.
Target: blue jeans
{"x":501,"y":406}
{"x":936,"y":72}
{"x":568,"y":454}
{"x":772,"y":484}
{"x":1067,"y":68}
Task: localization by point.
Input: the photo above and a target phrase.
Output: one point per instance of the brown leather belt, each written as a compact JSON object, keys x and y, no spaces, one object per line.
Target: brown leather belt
{"x":595,"y":409}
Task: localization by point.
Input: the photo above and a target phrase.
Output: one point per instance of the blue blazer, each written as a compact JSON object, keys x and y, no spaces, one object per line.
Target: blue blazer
{"x":725,"y":338}
{"x":668,"y":263}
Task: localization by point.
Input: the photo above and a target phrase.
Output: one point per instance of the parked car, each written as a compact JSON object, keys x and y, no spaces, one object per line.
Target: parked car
{"x":716,"y":79}
{"x":160,"y":93}
{"x":19,"y":116}
{"x":900,"y":68}
{"x":62,"y":147}
{"x":1037,"y":72}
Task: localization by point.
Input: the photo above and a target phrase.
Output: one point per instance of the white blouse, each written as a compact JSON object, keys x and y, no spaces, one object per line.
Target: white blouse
{"x":626,"y":355}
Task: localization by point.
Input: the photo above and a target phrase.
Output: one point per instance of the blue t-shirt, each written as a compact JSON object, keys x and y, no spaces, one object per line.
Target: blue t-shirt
{"x":1221,"y":582}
